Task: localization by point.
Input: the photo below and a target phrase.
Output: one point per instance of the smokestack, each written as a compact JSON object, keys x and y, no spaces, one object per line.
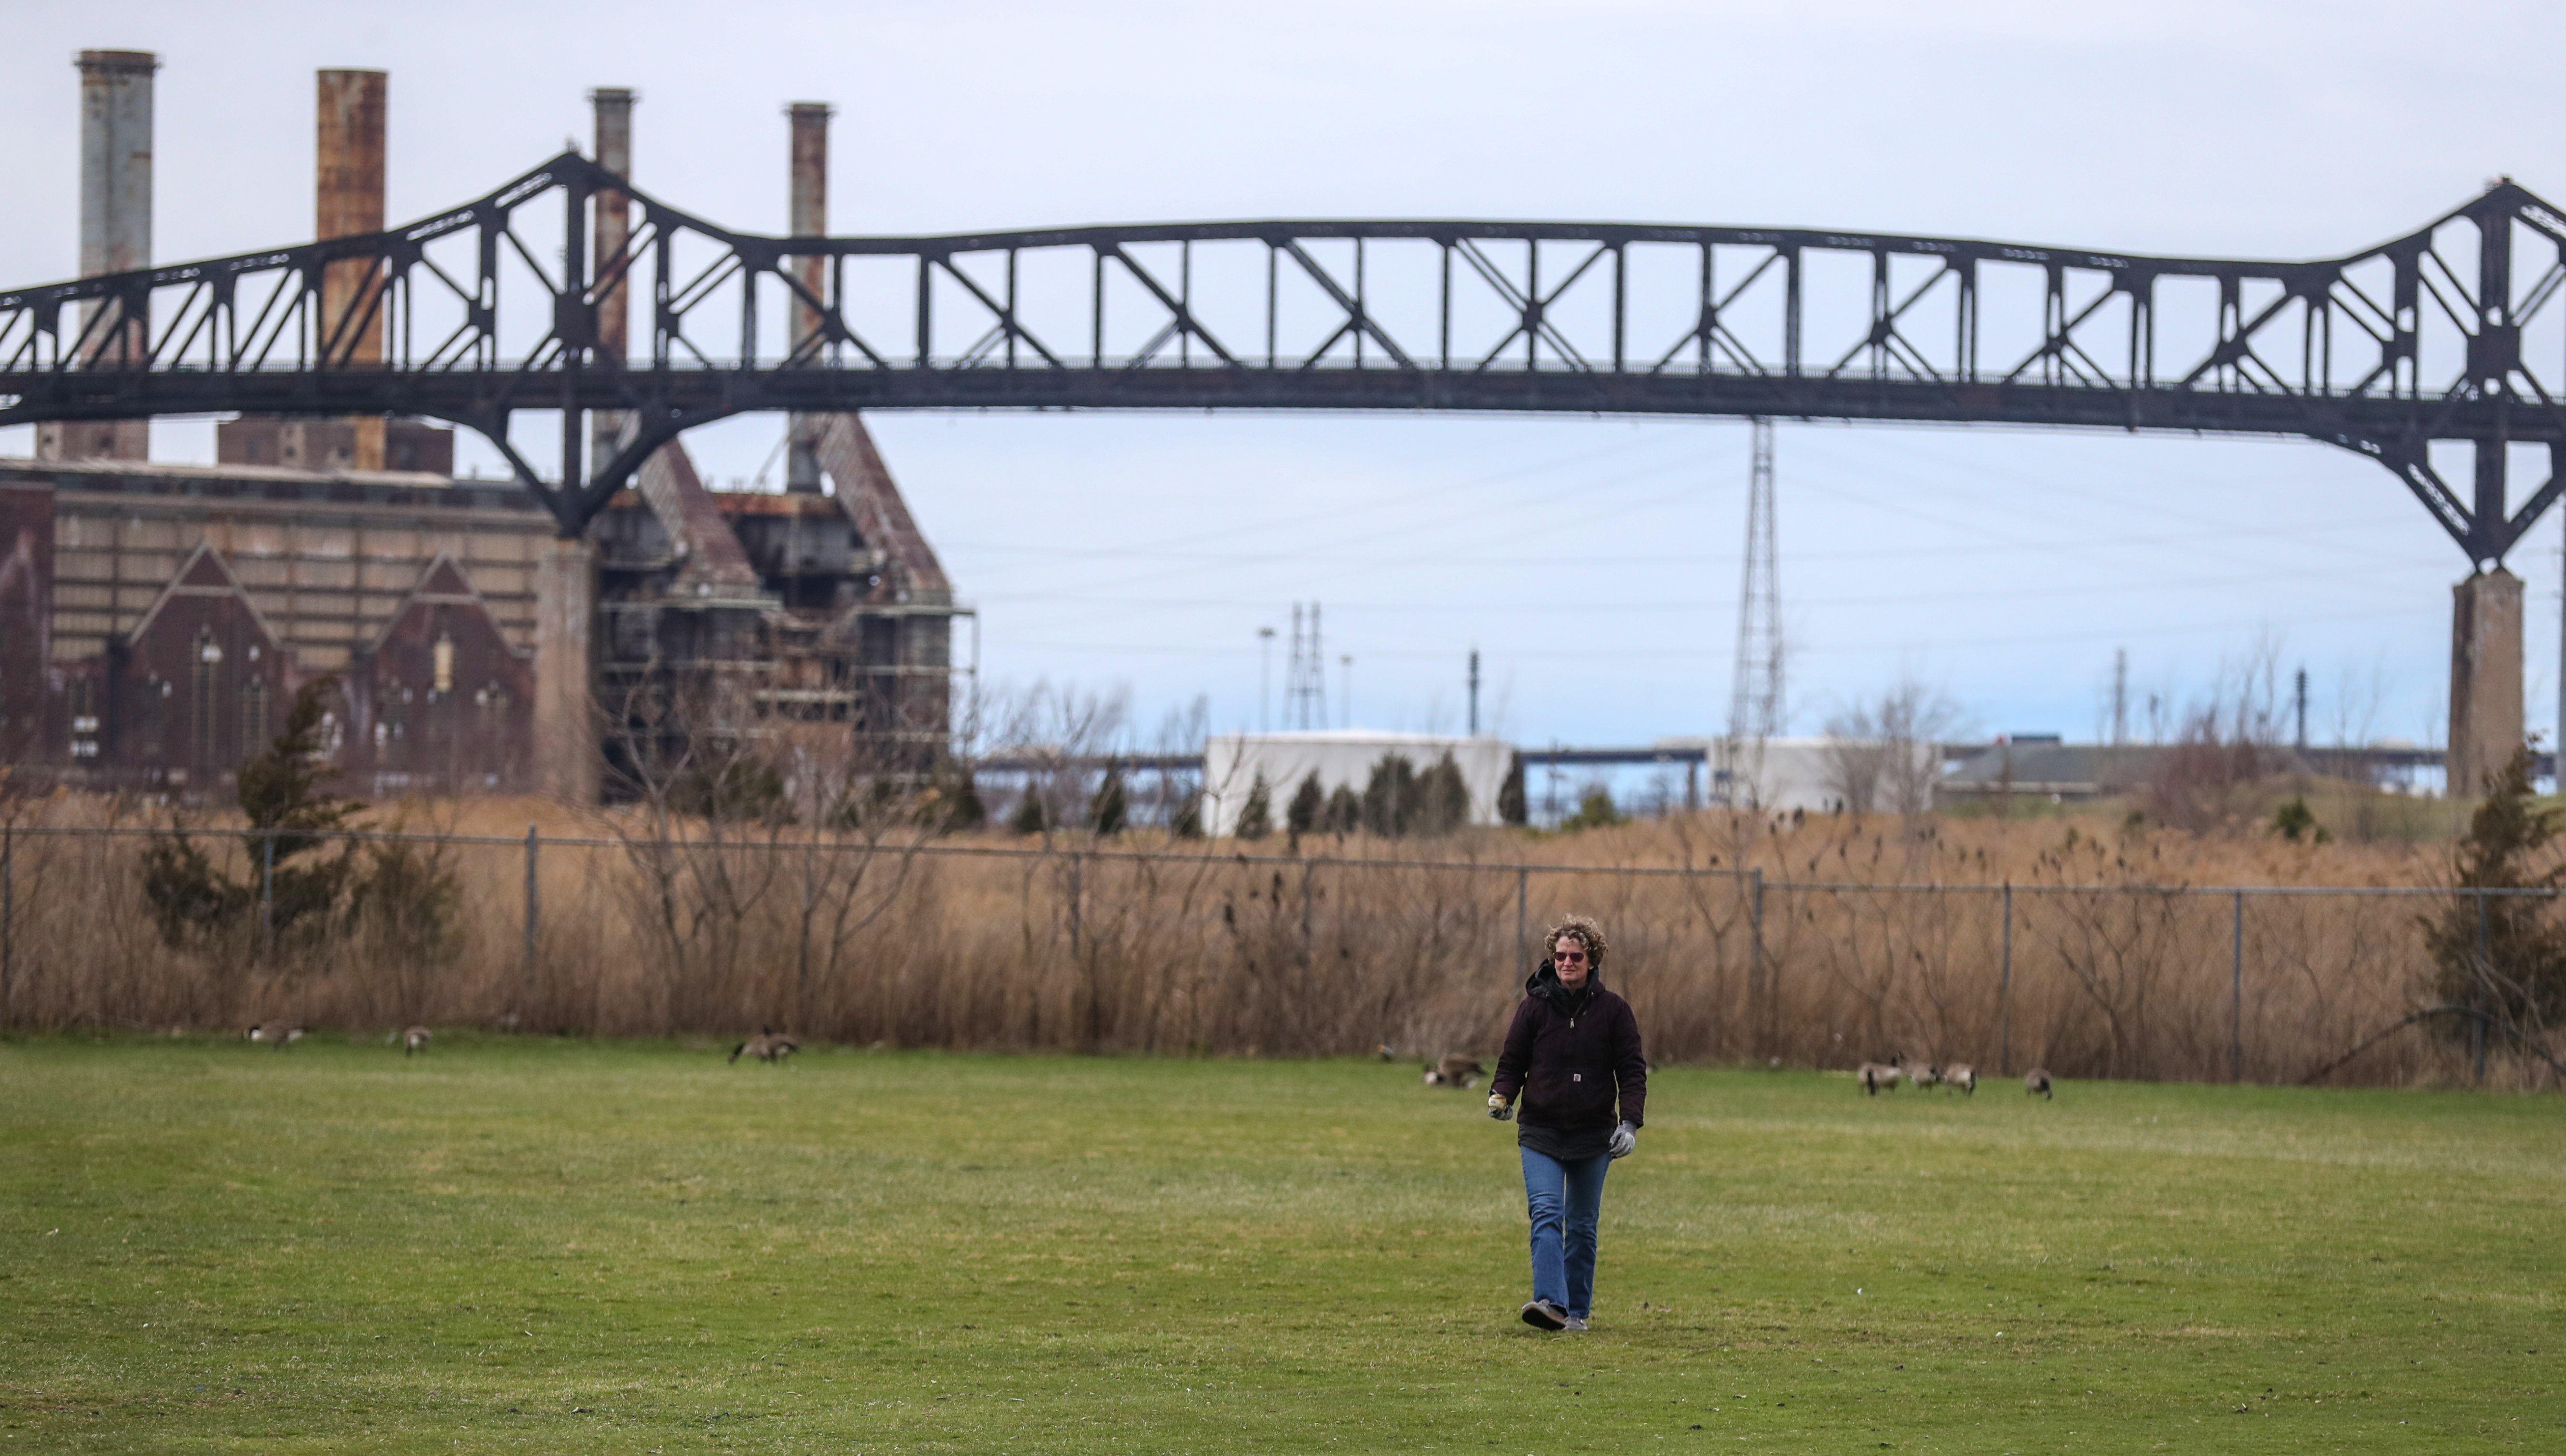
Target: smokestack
{"x":611,"y":228}
{"x":809,"y":219}
{"x":115,"y":225}
{"x":350,"y":201}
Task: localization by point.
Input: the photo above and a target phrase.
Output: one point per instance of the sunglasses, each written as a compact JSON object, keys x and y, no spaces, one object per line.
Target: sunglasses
{"x":1568,"y":955}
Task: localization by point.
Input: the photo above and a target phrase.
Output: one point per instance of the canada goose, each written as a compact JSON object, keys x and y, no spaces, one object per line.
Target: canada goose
{"x":1876,"y":1078}
{"x":1962,"y":1075}
{"x":413,"y":1041}
{"x":277,"y":1034}
{"x":2035,"y":1082}
{"x":1456,"y":1069}
{"x":1923,"y":1076}
{"x":769,"y":1044}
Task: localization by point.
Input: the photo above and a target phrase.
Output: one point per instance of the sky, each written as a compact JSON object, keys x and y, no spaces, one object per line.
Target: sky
{"x":1594,"y":562}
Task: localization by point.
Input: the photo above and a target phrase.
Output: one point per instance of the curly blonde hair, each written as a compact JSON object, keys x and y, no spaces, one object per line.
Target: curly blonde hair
{"x":1583,"y":931}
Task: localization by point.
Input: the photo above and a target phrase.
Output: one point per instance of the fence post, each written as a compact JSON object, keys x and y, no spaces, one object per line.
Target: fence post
{"x":2478,"y":1021}
{"x":8,"y":914}
{"x":267,"y":891}
{"x":2004,"y":992}
{"x":1307,"y":869}
{"x":1523,"y":943}
{"x":1076,"y":900}
{"x":2236,"y":992}
{"x":534,"y":904}
{"x":802,"y":956}
{"x":1759,"y":1011}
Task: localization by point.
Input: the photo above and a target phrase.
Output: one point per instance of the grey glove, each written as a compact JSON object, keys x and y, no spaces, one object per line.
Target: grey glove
{"x":1625,"y":1138}
{"x":1500,"y":1109}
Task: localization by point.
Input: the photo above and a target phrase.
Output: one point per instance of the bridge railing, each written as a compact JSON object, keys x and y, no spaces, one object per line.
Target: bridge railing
{"x":496,"y":286}
{"x":2455,"y":332}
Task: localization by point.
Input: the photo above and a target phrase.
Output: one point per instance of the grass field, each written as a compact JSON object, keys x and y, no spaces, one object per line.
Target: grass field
{"x":523,"y":1244}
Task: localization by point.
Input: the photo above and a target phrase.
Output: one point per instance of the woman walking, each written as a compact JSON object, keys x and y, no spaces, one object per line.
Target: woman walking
{"x":1573,"y":1050}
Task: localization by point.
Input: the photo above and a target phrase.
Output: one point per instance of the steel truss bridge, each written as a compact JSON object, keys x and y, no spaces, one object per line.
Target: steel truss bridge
{"x":2452,"y":334}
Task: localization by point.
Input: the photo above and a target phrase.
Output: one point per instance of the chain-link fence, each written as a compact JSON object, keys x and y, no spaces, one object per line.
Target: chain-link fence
{"x":894,"y":937}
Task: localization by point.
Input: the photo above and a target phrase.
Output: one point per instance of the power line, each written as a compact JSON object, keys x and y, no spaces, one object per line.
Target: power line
{"x":1832,"y":649}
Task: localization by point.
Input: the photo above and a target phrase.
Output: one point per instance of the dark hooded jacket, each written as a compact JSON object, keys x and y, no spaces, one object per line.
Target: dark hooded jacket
{"x":1573,"y":1055}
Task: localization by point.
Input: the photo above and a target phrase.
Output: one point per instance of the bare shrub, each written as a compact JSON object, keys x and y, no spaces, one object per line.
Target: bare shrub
{"x":2229,"y":744}
{"x":836,"y":907}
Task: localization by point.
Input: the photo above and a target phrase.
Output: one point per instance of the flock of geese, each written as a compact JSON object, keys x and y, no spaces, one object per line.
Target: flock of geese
{"x":768,"y":1045}
{"x":284,"y":1034}
{"x":1459,"y":1069}
{"x":1875,"y":1078}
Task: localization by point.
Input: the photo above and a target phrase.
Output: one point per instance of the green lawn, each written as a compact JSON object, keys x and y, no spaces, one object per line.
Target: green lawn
{"x":576,"y":1247}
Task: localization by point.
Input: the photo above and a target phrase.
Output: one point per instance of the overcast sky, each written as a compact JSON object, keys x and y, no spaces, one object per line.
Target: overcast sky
{"x":1595,"y":563}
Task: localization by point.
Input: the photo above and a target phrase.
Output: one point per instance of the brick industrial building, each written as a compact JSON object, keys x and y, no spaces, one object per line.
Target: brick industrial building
{"x":155,"y":618}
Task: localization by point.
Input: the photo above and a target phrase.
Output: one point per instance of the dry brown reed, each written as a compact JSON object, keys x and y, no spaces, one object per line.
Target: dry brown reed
{"x":1823,"y":943}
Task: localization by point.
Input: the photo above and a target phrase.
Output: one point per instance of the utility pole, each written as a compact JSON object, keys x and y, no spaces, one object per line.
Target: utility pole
{"x":1756,"y":708}
{"x":1474,"y":692}
{"x":2120,"y":696}
{"x":1348,"y":661}
{"x":2303,"y":710}
{"x":1265,"y":679}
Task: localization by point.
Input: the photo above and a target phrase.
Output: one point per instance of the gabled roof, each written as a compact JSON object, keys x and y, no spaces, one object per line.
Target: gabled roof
{"x":669,"y":484}
{"x":442,"y":584}
{"x":205,"y":574}
{"x":872,"y":501}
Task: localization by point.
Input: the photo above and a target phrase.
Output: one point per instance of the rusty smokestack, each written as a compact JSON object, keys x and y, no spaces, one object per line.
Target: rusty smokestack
{"x":611,"y":230}
{"x":350,"y":201}
{"x":115,"y":225}
{"x":809,"y":219}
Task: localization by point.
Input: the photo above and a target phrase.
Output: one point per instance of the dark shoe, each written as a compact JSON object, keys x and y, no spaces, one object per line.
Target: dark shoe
{"x":1543,"y":1315}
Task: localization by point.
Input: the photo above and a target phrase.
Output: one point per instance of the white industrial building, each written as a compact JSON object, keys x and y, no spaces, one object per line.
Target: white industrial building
{"x":1807,"y":773}
{"x":1342,"y":758}
{"x":1784,"y":774}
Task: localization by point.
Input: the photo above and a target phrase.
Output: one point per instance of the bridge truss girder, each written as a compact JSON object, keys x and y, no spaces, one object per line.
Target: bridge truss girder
{"x":490,"y":310}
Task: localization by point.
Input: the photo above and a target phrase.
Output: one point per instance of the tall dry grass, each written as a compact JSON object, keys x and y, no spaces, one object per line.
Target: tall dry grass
{"x":1823,"y":943}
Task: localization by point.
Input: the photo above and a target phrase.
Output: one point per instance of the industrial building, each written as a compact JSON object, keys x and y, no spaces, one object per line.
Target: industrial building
{"x":155,"y":619}
{"x":1237,"y":765}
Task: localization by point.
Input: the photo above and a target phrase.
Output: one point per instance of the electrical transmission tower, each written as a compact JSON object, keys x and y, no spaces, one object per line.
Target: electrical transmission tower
{"x":1755,"y":704}
{"x":1305,"y":681}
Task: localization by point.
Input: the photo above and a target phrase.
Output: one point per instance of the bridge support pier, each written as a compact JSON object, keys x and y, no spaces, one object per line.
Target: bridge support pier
{"x":2486,"y":680}
{"x":566,"y":756}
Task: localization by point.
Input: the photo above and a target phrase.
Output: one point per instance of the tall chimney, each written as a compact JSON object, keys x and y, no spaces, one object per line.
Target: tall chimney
{"x":115,"y":225}
{"x":809,"y":219}
{"x":350,"y":201}
{"x":611,"y":228}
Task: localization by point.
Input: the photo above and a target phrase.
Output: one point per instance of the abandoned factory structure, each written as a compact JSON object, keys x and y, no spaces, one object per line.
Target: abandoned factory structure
{"x":157,"y":619}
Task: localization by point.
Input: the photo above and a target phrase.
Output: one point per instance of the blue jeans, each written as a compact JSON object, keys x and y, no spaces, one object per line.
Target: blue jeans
{"x":1565,"y":1200}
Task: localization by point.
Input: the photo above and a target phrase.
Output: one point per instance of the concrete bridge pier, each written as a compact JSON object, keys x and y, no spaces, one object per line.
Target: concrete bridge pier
{"x":2485,"y":678}
{"x":566,"y":756}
